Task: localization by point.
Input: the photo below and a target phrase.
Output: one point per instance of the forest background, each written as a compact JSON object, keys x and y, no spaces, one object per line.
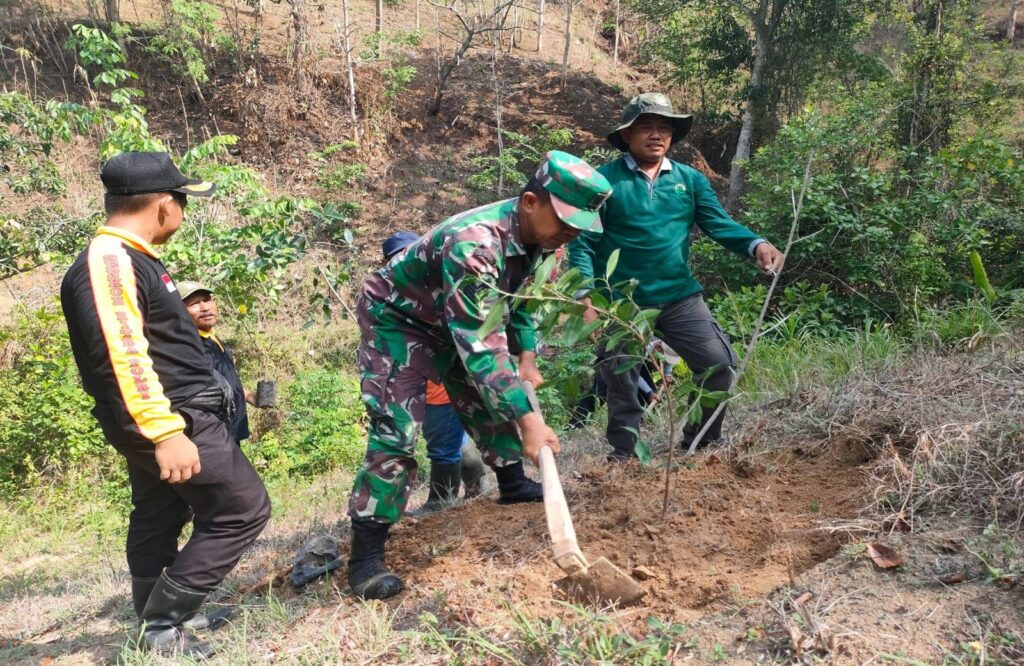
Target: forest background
{"x":895,"y":326}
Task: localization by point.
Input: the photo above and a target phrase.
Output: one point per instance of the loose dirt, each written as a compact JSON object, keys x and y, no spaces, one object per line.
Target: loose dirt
{"x":731,"y":534}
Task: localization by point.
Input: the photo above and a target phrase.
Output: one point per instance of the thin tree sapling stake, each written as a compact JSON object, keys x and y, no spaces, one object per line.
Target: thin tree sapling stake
{"x":797,"y":203}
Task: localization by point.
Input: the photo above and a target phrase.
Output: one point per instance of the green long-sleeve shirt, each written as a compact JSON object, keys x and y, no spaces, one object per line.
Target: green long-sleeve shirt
{"x":650,"y":223}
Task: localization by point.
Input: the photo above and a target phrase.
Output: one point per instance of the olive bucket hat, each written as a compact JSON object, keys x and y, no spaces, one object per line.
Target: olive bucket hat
{"x":654,"y":103}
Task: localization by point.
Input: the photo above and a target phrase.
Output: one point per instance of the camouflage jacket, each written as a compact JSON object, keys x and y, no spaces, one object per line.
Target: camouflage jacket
{"x":439,"y":292}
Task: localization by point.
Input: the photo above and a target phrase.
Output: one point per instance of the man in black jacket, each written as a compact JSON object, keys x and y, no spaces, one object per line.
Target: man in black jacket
{"x":159,"y":404}
{"x":202,"y":307}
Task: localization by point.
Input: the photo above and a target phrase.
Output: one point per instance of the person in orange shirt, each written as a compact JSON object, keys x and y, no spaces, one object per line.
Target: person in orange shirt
{"x":453,"y":456}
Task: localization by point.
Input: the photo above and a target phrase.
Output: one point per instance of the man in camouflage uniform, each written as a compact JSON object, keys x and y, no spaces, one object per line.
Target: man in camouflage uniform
{"x":423,"y":317}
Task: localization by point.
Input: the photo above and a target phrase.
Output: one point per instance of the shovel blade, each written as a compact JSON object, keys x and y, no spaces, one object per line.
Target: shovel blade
{"x":601,"y":583}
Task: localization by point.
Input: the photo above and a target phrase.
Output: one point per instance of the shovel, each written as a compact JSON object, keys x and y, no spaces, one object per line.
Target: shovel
{"x":599,"y":582}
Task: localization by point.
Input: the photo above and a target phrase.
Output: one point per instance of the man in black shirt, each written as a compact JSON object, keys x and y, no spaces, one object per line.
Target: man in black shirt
{"x":202,"y":308}
{"x":159,"y":404}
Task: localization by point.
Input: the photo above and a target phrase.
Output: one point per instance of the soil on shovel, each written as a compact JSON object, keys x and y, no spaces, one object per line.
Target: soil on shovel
{"x":730,"y":534}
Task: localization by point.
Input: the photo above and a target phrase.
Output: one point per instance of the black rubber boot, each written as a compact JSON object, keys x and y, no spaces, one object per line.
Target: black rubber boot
{"x":514,"y":487}
{"x":473,"y":470}
{"x":367,"y":573}
{"x":168,"y":607}
{"x":444,"y":485}
{"x":141,"y":589}
{"x":713,"y":434}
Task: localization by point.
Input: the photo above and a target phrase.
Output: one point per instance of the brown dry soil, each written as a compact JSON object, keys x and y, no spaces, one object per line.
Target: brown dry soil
{"x":731,"y":534}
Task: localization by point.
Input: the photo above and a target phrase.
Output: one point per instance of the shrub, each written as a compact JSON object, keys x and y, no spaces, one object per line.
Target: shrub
{"x":799,"y":310}
{"x":568,"y":374}
{"x":519,"y":157}
{"x":884,"y":238}
{"x":189,"y":38}
{"x":40,"y":235}
{"x":29,"y":130}
{"x":322,"y":430}
{"x":45,"y":422}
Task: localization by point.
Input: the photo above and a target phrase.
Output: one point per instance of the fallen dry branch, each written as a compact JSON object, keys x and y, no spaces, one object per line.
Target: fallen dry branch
{"x":801,"y":623}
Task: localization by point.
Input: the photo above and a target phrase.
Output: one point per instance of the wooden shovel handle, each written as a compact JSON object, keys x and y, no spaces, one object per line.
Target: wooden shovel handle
{"x":567,"y":552}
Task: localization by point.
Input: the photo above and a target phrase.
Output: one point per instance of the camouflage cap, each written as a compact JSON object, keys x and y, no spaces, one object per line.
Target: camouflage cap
{"x":654,"y":103}
{"x":187,"y":288}
{"x":577,"y":190}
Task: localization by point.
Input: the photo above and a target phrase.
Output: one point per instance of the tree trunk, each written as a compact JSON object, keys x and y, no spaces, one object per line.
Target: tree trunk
{"x":446,"y":71}
{"x":766,"y":21}
{"x":540,"y":25}
{"x":737,"y":173}
{"x":113,"y":10}
{"x":348,"y":66}
{"x":498,"y":83}
{"x":615,"y":51}
{"x":299,"y":48}
{"x":568,"y":40}
{"x":1011,"y":27}
{"x":378,"y":22}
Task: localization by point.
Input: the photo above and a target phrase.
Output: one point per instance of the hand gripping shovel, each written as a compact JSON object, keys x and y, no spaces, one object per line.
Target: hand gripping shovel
{"x":600,"y":582}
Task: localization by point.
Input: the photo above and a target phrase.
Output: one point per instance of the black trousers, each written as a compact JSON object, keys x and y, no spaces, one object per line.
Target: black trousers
{"x":226,"y":502}
{"x":598,"y":394}
{"x":687,"y":327}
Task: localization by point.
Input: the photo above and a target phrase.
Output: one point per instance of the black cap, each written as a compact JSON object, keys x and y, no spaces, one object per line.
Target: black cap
{"x":145,"y":173}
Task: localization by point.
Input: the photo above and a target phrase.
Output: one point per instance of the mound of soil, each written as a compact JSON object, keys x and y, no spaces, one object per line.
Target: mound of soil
{"x":730,"y":534}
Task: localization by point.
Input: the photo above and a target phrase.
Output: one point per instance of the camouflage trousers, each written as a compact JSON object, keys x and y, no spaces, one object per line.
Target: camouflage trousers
{"x":393,"y":385}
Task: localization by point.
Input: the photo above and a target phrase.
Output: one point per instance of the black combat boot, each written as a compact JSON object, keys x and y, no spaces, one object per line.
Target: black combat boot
{"x":444,"y":485}
{"x":141,"y":589}
{"x":367,"y":573}
{"x":514,"y":487}
{"x":473,"y":470}
{"x":169,"y":605}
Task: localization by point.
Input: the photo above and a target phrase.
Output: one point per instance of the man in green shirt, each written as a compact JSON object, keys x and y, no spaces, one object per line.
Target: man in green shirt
{"x":649,"y":218}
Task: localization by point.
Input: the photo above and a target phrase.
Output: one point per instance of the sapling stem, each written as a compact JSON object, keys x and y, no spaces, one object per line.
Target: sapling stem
{"x":797,"y":202}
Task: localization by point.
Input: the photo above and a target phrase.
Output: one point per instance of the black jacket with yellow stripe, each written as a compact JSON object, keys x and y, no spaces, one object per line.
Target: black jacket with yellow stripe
{"x":136,"y":347}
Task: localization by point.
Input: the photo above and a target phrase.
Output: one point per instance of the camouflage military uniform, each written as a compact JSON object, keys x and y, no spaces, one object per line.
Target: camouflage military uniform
{"x":420,"y":317}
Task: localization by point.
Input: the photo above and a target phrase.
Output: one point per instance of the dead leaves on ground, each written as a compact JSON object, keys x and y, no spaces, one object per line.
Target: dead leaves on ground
{"x":883,"y":556}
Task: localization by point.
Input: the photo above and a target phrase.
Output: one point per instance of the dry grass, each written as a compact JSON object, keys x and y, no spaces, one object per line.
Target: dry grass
{"x":943,"y":428}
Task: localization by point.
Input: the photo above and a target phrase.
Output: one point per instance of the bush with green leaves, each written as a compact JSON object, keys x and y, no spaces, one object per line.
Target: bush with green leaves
{"x":882,"y":238}
{"x":123,"y":125}
{"x":246,"y":257}
{"x":46,"y":427}
{"x":512,"y":167}
{"x":29,"y":130}
{"x":393,"y":51}
{"x":99,"y":51}
{"x":336,"y":174}
{"x":40,"y":235}
{"x":800,"y":310}
{"x":244,"y":262}
{"x":188,"y":39}
{"x":323,"y":427}
{"x":569,"y":371}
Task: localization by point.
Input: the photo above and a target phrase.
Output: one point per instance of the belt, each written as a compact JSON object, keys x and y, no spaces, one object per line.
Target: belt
{"x":217,"y":399}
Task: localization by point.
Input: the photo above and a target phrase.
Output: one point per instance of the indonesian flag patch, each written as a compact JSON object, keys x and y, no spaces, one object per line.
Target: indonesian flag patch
{"x":168,"y":283}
